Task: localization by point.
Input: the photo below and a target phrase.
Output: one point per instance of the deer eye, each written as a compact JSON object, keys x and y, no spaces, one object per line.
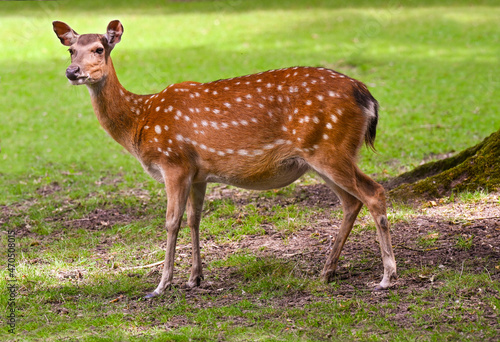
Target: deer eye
{"x":99,"y":51}
{"x":71,"y":51}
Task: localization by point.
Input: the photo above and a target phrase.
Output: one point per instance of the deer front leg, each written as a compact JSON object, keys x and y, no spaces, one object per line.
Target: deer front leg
{"x":351,"y":206}
{"x":194,"y":211}
{"x":177,"y":185}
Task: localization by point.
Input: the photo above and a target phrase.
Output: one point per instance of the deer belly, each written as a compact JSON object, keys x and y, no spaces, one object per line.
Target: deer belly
{"x":259,"y":178}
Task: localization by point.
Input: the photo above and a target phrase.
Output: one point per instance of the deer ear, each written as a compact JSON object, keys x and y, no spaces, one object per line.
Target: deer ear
{"x":114,"y":32}
{"x":65,"y":33}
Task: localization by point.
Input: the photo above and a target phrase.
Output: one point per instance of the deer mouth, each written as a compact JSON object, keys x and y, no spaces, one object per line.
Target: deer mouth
{"x":78,"y":80}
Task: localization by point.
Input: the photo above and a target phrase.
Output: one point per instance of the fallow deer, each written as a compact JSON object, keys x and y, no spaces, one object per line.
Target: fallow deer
{"x":259,"y":131}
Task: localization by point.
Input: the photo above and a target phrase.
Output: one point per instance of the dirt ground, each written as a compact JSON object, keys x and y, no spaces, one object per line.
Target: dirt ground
{"x":426,"y":241}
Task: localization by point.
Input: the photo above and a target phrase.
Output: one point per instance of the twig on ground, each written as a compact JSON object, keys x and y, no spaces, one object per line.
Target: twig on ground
{"x":143,"y":266}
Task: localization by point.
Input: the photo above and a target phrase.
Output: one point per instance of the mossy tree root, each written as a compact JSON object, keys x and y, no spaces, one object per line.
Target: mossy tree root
{"x":476,"y":168}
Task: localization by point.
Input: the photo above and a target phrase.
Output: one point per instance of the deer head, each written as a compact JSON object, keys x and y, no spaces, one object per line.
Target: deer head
{"x":90,"y":62}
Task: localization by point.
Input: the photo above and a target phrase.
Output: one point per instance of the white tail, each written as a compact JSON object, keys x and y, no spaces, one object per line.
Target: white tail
{"x":259,"y":131}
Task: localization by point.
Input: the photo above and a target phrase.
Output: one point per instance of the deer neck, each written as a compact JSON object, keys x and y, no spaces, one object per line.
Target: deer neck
{"x":116,"y":108}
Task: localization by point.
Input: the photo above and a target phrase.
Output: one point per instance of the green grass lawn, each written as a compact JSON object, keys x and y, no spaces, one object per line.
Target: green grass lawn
{"x":432,"y":65}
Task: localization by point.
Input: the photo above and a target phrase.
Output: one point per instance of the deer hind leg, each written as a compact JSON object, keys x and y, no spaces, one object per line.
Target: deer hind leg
{"x":351,"y":180}
{"x":177,"y":185}
{"x":194,"y":211}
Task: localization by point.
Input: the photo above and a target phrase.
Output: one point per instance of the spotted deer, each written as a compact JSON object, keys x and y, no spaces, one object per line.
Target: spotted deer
{"x":260,"y":131}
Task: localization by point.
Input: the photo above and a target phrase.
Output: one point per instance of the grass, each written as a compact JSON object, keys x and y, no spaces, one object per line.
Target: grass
{"x":428,"y":240}
{"x":68,"y":283}
{"x":431,"y":72}
{"x":84,"y":210}
{"x":465,"y":242}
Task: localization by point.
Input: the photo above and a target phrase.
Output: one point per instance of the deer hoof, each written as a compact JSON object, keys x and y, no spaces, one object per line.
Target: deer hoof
{"x":151,"y":295}
{"x":194,"y":282}
{"x":327,"y":276}
{"x":380,"y":288}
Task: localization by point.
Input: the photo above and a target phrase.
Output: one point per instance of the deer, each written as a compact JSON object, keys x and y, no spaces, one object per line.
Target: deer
{"x":260,"y":131}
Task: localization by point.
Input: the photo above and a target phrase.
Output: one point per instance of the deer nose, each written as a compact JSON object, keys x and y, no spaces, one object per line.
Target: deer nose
{"x":73,"y":72}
